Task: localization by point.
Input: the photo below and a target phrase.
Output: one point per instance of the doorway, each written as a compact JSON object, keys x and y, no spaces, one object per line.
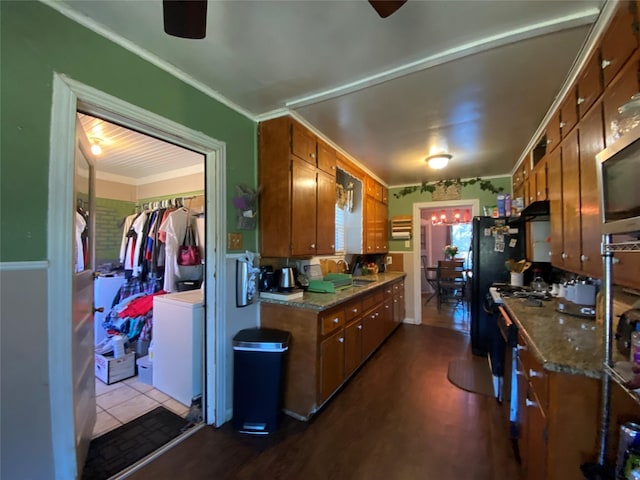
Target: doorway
{"x":138,"y":180}
{"x":428,"y":249}
{"x":70,"y":96}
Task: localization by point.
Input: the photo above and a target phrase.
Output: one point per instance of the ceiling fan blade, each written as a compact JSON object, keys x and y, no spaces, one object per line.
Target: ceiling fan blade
{"x":185,"y":18}
{"x":386,"y":7}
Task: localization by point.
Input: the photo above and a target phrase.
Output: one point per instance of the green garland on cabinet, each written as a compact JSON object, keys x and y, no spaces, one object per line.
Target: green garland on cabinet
{"x":431,"y":186}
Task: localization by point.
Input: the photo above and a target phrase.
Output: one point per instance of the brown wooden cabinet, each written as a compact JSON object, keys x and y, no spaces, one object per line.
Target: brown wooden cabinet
{"x":331,"y":364}
{"x":554,"y":192}
{"x":568,"y":113}
{"x":327,"y":347}
{"x":618,"y":93}
{"x":591,"y":133}
{"x":376,"y":232}
{"x":589,"y":84}
{"x":571,"y":239}
{"x":619,"y":41}
{"x":554,"y":438}
{"x":297,"y":198}
{"x":540,"y":180}
{"x":326,"y":158}
{"x":553,"y":132}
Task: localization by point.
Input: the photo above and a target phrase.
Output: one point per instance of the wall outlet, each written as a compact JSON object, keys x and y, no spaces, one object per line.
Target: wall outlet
{"x":234,"y":241}
{"x":389,"y":260}
{"x":407,"y":243}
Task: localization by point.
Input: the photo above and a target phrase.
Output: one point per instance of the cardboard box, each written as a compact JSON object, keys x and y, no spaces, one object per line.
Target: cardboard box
{"x":111,"y":369}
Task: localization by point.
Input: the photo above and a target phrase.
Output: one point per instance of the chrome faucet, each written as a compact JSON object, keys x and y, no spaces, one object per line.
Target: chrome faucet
{"x":345,"y":268}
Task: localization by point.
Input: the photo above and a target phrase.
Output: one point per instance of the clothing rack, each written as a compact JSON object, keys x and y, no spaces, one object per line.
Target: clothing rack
{"x":176,"y":202}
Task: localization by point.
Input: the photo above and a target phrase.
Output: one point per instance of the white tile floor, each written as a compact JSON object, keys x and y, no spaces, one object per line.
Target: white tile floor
{"x":121,"y":402}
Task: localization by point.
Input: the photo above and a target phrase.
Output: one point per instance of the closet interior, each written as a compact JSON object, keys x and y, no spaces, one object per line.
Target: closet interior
{"x":149,"y":238}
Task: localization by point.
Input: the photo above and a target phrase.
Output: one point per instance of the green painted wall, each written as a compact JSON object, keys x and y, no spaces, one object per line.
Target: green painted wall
{"x":404,"y":205}
{"x":35,"y":42}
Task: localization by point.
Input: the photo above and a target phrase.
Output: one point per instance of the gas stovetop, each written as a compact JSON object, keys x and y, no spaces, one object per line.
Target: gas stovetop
{"x":500,"y":290}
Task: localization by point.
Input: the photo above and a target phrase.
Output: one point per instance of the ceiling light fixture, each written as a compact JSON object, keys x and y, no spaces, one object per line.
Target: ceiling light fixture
{"x":96,"y":145}
{"x":458,"y":218}
{"x":439,"y":160}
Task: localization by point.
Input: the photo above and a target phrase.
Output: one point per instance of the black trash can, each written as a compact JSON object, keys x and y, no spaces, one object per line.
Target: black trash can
{"x":259,"y":356}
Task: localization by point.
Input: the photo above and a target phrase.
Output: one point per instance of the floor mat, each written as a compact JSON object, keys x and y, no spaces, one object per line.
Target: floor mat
{"x":120,"y":448}
{"x":471,"y":374}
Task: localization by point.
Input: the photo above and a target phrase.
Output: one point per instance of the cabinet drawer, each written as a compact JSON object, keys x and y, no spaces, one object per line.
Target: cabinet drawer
{"x":352,"y":310}
{"x":374,"y":298}
{"x":330,"y":321}
{"x":535,"y":374}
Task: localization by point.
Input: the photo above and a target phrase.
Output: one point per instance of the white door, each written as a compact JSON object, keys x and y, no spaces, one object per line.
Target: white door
{"x":82,"y":343}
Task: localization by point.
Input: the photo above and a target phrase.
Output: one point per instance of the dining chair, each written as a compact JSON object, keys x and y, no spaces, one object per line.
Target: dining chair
{"x":451,"y":282}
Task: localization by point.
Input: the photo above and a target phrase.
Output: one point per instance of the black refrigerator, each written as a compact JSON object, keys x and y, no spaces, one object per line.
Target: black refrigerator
{"x":494,"y":242}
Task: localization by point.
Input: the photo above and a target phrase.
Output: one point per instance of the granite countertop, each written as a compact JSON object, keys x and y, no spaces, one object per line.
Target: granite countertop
{"x":323,"y":301}
{"x":560,"y":342}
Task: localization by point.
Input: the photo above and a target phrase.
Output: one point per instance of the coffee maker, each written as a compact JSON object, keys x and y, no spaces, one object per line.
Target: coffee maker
{"x":266,"y":281}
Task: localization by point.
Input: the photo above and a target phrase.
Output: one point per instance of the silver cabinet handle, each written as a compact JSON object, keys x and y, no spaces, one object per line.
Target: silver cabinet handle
{"x":533,"y":373}
{"x":341,"y":340}
{"x":355,"y":310}
{"x":359,"y":327}
{"x":583,"y":258}
{"x":313,"y":245}
{"x":333,"y":246}
{"x":336,"y":320}
{"x":562,"y":124}
{"x":615,"y":260}
{"x":605,"y":64}
{"x":530,"y":403}
{"x":564,"y":256}
{"x":312,"y":155}
{"x":521,"y":347}
{"x":580,"y":100}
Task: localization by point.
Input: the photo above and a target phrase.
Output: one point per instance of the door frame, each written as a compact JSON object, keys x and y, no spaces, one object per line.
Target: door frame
{"x":417,"y":272}
{"x":68,"y":96}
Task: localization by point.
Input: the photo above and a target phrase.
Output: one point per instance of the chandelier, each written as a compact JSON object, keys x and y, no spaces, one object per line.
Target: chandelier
{"x":456,"y":219}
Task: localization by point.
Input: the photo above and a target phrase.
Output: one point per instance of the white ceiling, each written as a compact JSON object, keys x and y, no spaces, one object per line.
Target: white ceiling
{"x":475,"y":77}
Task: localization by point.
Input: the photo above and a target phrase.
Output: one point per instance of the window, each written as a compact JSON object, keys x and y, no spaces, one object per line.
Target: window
{"x":461,"y":238}
{"x":340,"y":235}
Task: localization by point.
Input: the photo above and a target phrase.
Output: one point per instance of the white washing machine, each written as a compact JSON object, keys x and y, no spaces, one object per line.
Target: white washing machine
{"x":178,"y":326}
{"x":105,"y":289}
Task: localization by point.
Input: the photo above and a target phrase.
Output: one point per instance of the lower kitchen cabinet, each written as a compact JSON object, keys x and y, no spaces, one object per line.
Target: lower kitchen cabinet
{"x":331,"y":364}
{"x":328,"y":346}
{"x":558,"y":419}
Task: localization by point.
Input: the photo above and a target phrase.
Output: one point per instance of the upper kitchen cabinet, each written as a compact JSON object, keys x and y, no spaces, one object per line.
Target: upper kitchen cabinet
{"x":619,"y":41}
{"x":589,"y":84}
{"x":571,"y":239}
{"x":303,"y":143}
{"x":553,"y":132}
{"x":591,"y":132}
{"x":620,"y":91}
{"x":554,"y":192}
{"x":326,"y":158}
{"x":297,"y":198}
{"x":568,"y":113}
{"x":374,"y":189}
{"x":375,"y":217}
{"x":538,"y":182}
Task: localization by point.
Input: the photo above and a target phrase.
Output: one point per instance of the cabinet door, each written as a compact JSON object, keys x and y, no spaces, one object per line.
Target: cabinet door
{"x":303,"y":143}
{"x":553,"y":132}
{"x":331,"y":364}
{"x":619,"y":41}
{"x":619,"y":93}
{"x":371,"y":331}
{"x":370,"y":224}
{"x":554,"y":186}
{"x":522,"y":421}
{"x":385,"y":195}
{"x":540,"y":174}
{"x":352,"y":347}
{"x":530,"y":188}
{"x":326,"y":230}
{"x":537,"y":440}
{"x":571,"y":203}
{"x":326,"y":158}
{"x":589,"y":84}
{"x":568,"y":113}
{"x":591,"y":142}
{"x":303,"y":208}
{"x":382,"y":228}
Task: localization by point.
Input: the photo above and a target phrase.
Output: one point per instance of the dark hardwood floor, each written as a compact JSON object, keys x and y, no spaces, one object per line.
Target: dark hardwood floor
{"x":398,"y":418}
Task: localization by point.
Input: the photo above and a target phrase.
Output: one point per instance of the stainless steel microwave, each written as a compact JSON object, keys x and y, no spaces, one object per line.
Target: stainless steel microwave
{"x":618,"y":168}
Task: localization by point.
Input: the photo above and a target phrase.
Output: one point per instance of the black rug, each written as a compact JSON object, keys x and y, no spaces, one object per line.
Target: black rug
{"x":120,"y":448}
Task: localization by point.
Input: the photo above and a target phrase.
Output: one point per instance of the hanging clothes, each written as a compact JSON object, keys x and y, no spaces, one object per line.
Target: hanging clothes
{"x":175,"y":227}
{"x":128,"y":221}
{"x":78,"y":245}
{"x":132,"y":254}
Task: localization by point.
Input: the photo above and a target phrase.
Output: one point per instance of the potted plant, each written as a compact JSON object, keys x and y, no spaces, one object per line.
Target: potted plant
{"x":450,"y":251}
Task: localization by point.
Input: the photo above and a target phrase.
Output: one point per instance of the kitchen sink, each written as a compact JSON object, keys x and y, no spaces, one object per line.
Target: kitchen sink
{"x":361,"y":282}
